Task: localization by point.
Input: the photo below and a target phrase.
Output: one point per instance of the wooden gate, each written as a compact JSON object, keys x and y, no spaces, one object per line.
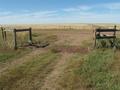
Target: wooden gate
{"x":103,"y":34}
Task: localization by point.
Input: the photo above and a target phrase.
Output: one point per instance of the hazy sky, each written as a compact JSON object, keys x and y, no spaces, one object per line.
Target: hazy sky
{"x":59,"y":11}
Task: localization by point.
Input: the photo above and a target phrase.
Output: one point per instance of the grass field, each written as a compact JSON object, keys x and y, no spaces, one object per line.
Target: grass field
{"x":68,"y":63}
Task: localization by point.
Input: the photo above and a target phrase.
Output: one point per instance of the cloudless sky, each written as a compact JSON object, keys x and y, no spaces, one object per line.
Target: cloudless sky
{"x":46,"y":4}
{"x":56,"y":11}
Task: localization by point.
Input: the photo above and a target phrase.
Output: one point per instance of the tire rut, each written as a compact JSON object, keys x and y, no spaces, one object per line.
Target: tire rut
{"x":50,"y":82}
{"x":22,"y":59}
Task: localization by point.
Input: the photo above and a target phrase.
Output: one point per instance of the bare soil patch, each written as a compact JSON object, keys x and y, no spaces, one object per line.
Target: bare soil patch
{"x":71,"y":49}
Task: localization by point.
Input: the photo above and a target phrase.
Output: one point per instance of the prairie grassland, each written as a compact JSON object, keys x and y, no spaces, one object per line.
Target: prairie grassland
{"x":68,"y":63}
{"x":62,"y":26}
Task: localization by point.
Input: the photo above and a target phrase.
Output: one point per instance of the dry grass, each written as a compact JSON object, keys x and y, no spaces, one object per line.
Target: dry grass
{"x":78,"y":68}
{"x":29,"y":75}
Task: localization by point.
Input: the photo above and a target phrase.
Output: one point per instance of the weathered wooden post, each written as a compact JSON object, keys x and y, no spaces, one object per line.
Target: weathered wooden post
{"x":95,"y":39}
{"x":30,"y":35}
{"x":15,"y":39}
{"x":5,"y":35}
{"x":114,"y":34}
{"x":2,"y":32}
{"x":115,"y":27}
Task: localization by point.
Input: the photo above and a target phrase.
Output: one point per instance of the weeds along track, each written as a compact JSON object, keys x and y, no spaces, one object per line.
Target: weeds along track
{"x":22,"y":60}
{"x":29,"y":74}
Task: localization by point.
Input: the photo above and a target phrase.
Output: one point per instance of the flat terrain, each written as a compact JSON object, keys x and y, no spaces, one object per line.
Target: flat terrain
{"x":68,"y":63}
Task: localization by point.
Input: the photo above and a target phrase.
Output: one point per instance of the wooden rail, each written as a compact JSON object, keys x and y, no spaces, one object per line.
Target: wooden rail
{"x":15,"y":31}
{"x":22,"y":30}
{"x":99,"y":34}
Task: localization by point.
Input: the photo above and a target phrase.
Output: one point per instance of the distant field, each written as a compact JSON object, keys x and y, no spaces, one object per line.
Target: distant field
{"x":69,"y":62}
{"x":63,"y":26}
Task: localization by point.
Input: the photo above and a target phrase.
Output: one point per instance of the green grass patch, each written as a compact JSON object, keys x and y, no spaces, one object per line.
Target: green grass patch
{"x":5,"y":56}
{"x":108,"y":43}
{"x":96,"y":71}
{"x":9,"y":55}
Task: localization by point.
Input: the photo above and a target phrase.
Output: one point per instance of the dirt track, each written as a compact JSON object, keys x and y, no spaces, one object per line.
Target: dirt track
{"x":22,"y":60}
{"x":73,"y":38}
{"x":50,"y":82}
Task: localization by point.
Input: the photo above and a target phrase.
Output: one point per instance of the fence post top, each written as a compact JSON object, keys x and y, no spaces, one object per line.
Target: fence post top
{"x":115,"y":27}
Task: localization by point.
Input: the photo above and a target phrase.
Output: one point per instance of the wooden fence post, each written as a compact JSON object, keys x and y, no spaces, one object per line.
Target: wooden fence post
{"x":15,"y":39}
{"x":2,"y":32}
{"x":30,"y":35}
{"x":114,"y":40}
{"x":95,"y":39}
{"x":5,"y":35}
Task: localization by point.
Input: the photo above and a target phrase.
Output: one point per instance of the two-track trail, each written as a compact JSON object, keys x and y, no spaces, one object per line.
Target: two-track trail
{"x":50,"y":82}
{"x":22,"y":60}
{"x":39,"y":71}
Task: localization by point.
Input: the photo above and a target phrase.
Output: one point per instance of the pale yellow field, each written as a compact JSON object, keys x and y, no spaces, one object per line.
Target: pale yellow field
{"x":62,"y":26}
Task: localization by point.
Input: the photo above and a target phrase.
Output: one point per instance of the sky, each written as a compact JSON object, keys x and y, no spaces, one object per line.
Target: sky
{"x":59,"y":11}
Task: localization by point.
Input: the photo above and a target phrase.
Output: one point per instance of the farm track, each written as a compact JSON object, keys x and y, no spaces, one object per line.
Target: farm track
{"x":38,"y":65}
{"x":51,"y":73}
{"x":50,"y":82}
{"x":22,"y":59}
